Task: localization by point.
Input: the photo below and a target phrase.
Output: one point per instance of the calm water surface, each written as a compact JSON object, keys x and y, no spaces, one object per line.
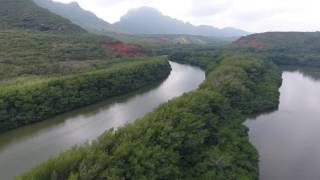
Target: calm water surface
{"x":288,"y":140}
{"x":23,"y":148}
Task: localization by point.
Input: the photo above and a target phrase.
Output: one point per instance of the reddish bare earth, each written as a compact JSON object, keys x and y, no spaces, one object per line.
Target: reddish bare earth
{"x":125,"y":49}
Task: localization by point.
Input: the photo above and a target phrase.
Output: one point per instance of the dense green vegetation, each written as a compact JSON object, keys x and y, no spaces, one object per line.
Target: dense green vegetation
{"x":206,"y":59}
{"x":283,"y":48}
{"x":249,"y":82}
{"x":38,"y":99}
{"x":49,"y":66}
{"x":36,"y":53}
{"x":26,"y":15}
{"x":197,"y":136}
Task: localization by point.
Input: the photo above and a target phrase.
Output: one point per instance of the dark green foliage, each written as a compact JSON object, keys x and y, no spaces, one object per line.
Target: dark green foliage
{"x":247,"y":80}
{"x":205,"y":59}
{"x":49,"y":65}
{"x":26,"y":15}
{"x":250,"y":83}
{"x":291,"y":42}
{"x":25,"y":103}
{"x":294,"y":59}
{"x":283,"y":48}
{"x":197,"y":136}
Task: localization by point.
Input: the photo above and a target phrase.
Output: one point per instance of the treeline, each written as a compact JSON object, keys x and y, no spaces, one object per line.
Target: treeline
{"x":249,"y":82}
{"x":36,"y":100}
{"x":199,"y":135}
{"x":205,"y":59}
{"x":283,"y":48}
{"x":293,"y":59}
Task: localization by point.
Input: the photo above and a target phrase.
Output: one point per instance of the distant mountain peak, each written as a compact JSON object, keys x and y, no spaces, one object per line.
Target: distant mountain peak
{"x":141,"y":13}
{"x":77,"y":15}
{"x":148,"y":20}
{"x":143,"y":20}
{"x":75,"y":4}
{"x":145,"y":9}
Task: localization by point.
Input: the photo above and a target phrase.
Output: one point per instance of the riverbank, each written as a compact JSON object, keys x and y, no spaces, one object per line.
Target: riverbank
{"x":287,"y":137}
{"x":27,"y":146}
{"x":24,"y":103}
{"x":198,"y":135}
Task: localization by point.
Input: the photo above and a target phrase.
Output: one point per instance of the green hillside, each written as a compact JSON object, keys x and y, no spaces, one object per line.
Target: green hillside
{"x":36,"y":42}
{"x":26,"y":15}
{"x":49,"y":65}
{"x":37,"y":53}
{"x":284,"y":48}
{"x":282,"y":42}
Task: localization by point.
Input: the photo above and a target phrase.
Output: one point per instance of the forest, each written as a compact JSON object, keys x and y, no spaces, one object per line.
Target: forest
{"x":283,"y":48}
{"x":49,"y":66}
{"x":198,"y":135}
{"x":41,"y":98}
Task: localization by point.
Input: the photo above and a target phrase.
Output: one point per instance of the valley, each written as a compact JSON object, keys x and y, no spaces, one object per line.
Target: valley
{"x":26,"y":147}
{"x":150,"y":96}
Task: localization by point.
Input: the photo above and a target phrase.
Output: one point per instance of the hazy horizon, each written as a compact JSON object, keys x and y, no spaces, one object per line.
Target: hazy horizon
{"x":249,"y":15}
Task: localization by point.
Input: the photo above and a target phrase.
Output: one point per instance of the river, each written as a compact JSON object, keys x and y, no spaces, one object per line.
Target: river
{"x":25,"y":147}
{"x":288,"y":139}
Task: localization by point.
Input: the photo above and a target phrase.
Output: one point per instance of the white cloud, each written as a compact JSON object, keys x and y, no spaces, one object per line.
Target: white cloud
{"x":250,"y":15}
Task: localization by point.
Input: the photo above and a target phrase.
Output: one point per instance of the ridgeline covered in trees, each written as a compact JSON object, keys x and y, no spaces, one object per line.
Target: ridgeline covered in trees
{"x":283,"y":48}
{"x":199,"y":135}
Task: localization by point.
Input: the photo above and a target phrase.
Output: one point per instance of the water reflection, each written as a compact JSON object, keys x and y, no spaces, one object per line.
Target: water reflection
{"x":287,"y":139}
{"x":310,"y":72}
{"x":23,"y":148}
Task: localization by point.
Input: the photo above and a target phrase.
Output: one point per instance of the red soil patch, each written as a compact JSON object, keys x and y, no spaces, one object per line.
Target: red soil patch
{"x":250,"y":42}
{"x":125,"y":49}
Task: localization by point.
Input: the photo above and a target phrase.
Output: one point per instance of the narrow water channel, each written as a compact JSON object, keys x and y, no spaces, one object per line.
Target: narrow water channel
{"x":23,"y":148}
{"x":288,"y":139}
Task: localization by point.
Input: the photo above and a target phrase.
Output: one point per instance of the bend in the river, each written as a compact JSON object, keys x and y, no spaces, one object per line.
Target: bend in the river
{"x":25,"y":147}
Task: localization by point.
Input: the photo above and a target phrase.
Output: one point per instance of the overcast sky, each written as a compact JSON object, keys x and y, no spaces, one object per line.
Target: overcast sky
{"x":250,"y":15}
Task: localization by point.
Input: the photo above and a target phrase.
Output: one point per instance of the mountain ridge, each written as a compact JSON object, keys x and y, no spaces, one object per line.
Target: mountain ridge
{"x":76,"y":14}
{"x":148,"y":20}
{"x":156,"y":23}
{"x":26,"y":15}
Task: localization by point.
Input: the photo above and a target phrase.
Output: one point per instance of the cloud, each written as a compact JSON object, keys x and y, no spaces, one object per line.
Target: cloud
{"x":207,"y":8}
{"x":250,"y":15}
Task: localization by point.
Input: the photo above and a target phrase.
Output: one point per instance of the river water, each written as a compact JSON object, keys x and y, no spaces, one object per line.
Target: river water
{"x":288,"y":139}
{"x":25,"y":147}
